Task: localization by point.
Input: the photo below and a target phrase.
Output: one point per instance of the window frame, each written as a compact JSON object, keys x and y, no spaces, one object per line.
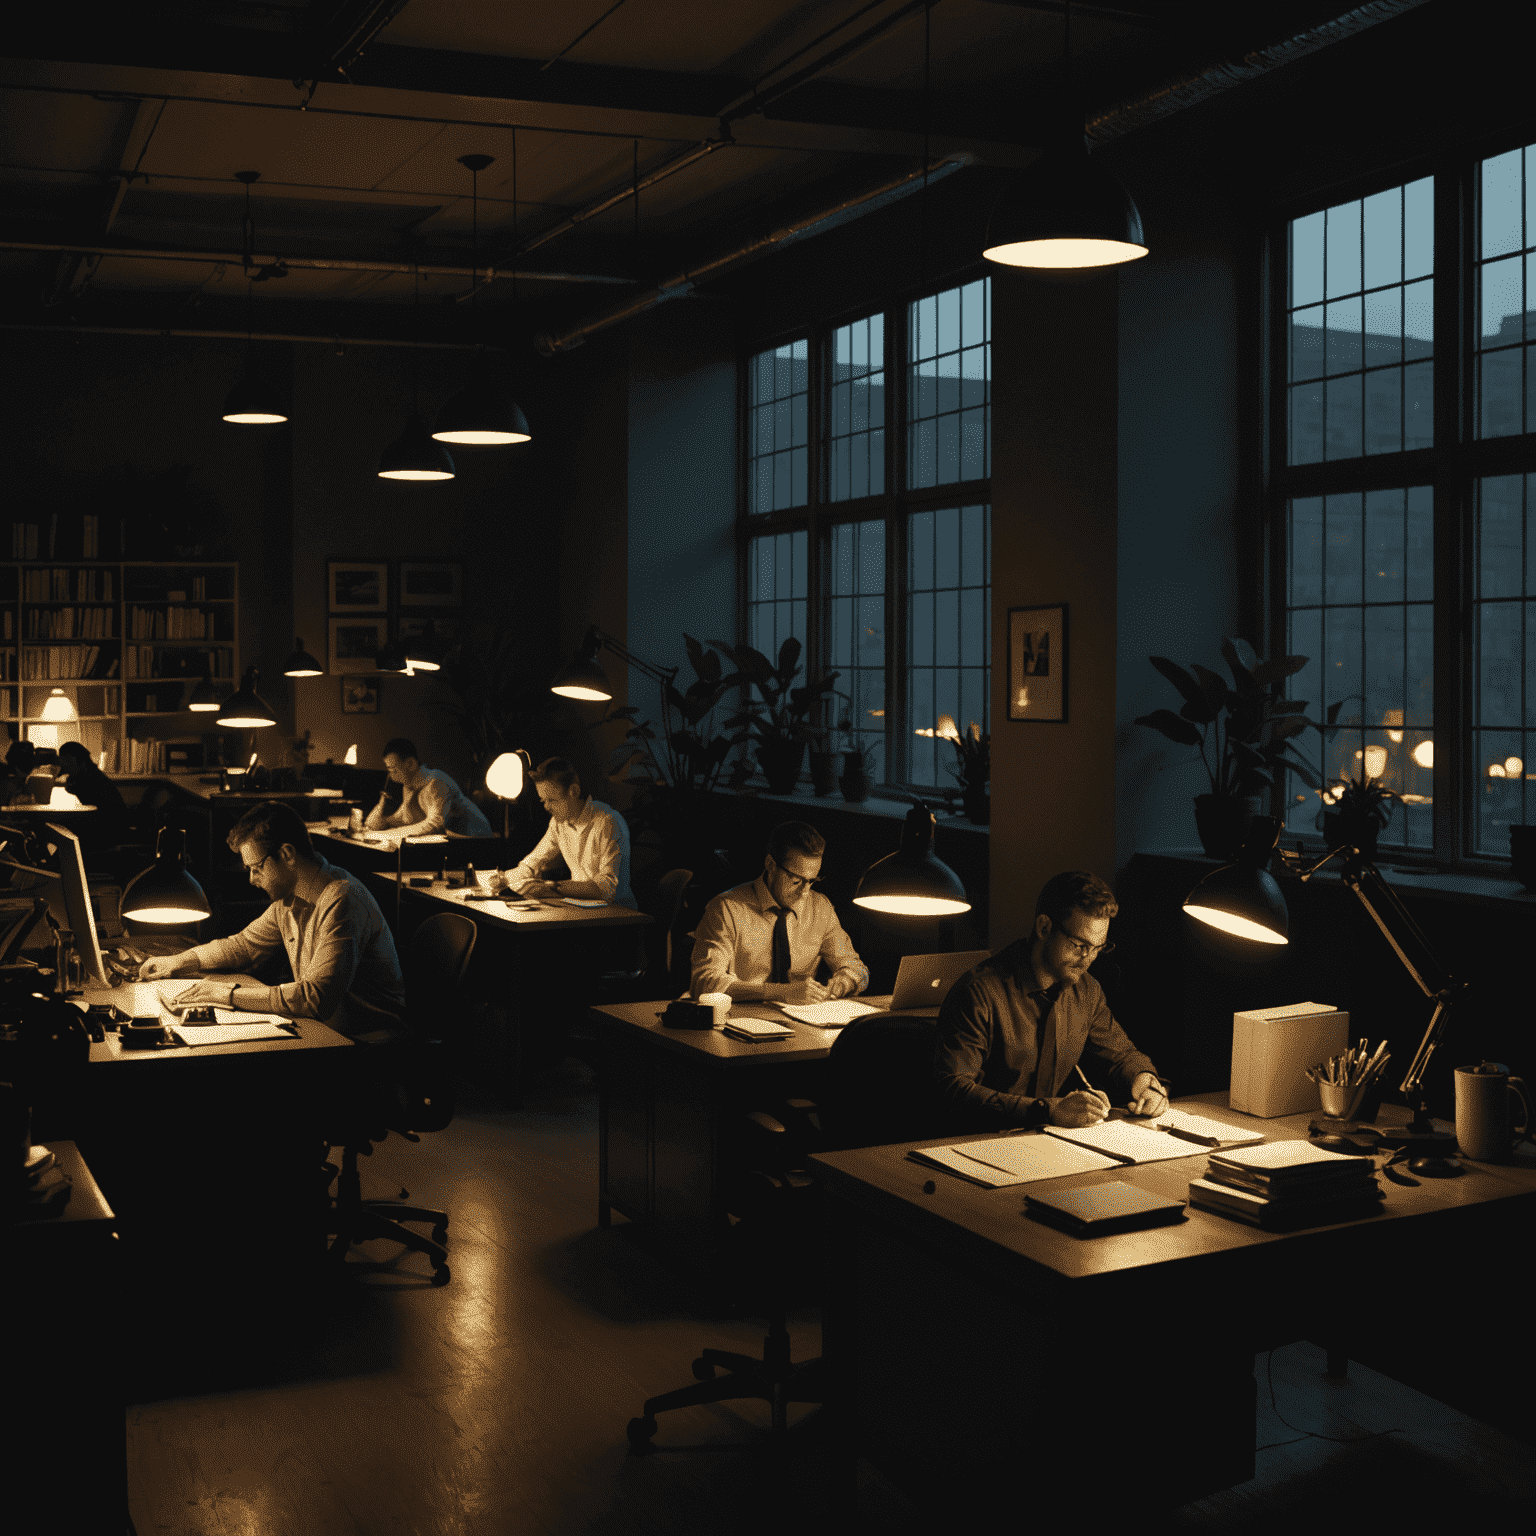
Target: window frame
{"x":894,"y":505}
{"x":1451,"y":466}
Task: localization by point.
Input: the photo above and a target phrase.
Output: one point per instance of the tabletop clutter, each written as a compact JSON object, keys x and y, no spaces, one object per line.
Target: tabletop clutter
{"x":1343,"y":1080}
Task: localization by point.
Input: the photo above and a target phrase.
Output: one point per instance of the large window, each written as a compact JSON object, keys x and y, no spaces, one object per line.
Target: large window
{"x":865,"y":526}
{"x":1405,"y":469}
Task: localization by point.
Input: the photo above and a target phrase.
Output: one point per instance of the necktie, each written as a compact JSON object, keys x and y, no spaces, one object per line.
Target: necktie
{"x":1045,"y":1057}
{"x":780,"y":969}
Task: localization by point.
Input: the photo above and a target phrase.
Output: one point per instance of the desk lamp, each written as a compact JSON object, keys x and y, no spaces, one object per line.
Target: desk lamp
{"x":913,"y":881}
{"x":505,"y":779}
{"x":391,"y":657}
{"x":424,"y":652}
{"x":583,"y":677}
{"x":1244,"y":899}
{"x":166,"y":892}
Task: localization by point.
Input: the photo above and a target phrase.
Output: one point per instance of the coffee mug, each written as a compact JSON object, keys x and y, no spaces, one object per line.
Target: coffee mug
{"x":720,"y":1002}
{"x":1483,"y":1111}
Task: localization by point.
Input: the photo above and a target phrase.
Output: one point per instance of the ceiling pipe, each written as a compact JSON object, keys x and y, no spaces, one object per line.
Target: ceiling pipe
{"x":680,"y":286}
{"x":309,"y":263}
{"x":1163,"y":101}
{"x":341,"y":342}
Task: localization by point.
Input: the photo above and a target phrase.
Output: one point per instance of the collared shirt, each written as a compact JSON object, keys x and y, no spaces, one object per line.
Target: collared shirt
{"x":595,"y":847}
{"x":346,"y":972}
{"x":734,"y":940}
{"x":987,"y":1046}
{"x":436,"y":804}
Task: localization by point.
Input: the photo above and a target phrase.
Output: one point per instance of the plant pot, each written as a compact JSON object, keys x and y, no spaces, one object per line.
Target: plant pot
{"x":824,"y":772}
{"x":1350,"y":832}
{"x":780,"y":764}
{"x":855,"y":783}
{"x":1222,"y":822}
{"x":977,"y":804}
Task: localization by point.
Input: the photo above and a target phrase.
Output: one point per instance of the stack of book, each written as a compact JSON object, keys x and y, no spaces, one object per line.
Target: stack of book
{"x":1285,"y":1184}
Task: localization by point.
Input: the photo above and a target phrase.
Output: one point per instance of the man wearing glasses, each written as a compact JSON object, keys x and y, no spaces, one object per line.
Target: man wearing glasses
{"x":767,"y":939}
{"x":346,"y":972}
{"x":1013,"y":1030}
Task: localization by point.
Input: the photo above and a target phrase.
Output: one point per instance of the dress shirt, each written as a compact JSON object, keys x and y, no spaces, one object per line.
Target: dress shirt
{"x":734,"y":940}
{"x":987,"y":1045}
{"x":436,"y":804}
{"x":346,"y":972}
{"x":595,"y":847}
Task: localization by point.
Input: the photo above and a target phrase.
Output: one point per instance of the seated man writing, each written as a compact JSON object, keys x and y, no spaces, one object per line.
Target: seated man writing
{"x":765,"y":939}
{"x":345,"y":969}
{"x":1012,"y":1030}
{"x":430,"y":801}
{"x":591,"y":837}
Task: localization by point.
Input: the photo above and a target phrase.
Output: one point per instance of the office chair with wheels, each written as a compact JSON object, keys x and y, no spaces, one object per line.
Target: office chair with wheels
{"x":408,"y":1091}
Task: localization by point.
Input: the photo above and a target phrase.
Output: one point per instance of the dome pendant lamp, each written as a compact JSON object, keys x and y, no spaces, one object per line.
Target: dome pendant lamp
{"x":413,"y":455}
{"x":483,"y":413}
{"x":301,"y":663}
{"x":166,"y":892}
{"x":913,"y":881}
{"x":243,"y":710}
{"x":255,"y":401}
{"x":1068,"y":211}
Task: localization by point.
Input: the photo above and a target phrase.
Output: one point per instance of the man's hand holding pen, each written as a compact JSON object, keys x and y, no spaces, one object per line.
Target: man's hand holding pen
{"x":1087,"y":1106}
{"x":1148,"y":1096}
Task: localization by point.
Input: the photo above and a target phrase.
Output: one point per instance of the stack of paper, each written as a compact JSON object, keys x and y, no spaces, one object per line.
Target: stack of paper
{"x":1287,"y":1184}
{"x":1013,"y":1159}
{"x":757,"y":1029}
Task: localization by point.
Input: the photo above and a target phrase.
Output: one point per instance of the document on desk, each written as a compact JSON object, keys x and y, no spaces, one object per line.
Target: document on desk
{"x":832,"y":1015}
{"x":1006,"y":1160}
{"x":236,"y":1028}
{"x":1125,"y":1141}
{"x":1207,"y":1133}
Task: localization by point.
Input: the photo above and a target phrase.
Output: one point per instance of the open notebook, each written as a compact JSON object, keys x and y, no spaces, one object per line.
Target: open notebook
{"x":1132,"y":1141}
{"x":1013,"y":1159}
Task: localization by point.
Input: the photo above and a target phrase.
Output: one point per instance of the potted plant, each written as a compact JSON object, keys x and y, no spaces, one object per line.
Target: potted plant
{"x":972,"y":766}
{"x":1246,"y":733}
{"x":1355,"y":810}
{"x":857,"y":778}
{"x":778,"y":721}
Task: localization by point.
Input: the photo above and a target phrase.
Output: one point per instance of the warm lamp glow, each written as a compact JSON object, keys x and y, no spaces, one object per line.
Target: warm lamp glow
{"x":913,"y":906}
{"x":1513,"y":767}
{"x":1393,"y":720}
{"x":505,"y":777}
{"x":576,"y":691}
{"x":351,"y":758}
{"x":1064,"y":253}
{"x":1229,"y":922}
{"x":245,"y":419}
{"x":1375,"y":762}
{"x":1424,"y":754}
{"x":57,"y":707}
{"x":913,"y":881}
{"x":1495,"y":770}
{"x":484,"y":439}
{"x":60,"y":799}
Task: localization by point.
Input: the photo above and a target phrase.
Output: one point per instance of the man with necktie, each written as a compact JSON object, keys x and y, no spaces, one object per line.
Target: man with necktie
{"x":1012,"y":1031}
{"x":767,"y":939}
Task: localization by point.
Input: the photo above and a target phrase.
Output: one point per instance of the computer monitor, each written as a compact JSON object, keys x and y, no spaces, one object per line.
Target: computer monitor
{"x":52,"y":866}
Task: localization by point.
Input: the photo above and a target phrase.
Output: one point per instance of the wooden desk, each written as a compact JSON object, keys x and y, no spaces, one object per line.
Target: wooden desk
{"x":666,"y":1102}
{"x":974,"y":1353}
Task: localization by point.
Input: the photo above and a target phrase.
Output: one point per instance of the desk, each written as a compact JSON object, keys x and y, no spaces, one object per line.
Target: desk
{"x":666,"y":1102}
{"x":974,"y":1353}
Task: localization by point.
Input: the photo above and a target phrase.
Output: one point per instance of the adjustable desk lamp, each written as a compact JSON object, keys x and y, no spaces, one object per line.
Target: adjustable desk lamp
{"x":583,"y":677}
{"x":1244,"y":899}
{"x":913,"y":881}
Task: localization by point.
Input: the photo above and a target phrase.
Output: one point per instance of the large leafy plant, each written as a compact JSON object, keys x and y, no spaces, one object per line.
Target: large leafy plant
{"x":1246,"y":731}
{"x":782,"y":711}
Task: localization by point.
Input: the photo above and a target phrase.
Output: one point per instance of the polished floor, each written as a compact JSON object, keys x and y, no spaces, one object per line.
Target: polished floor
{"x":497,"y":1405}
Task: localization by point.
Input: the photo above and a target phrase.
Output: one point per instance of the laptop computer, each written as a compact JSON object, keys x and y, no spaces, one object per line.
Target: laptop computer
{"x":923,"y":981}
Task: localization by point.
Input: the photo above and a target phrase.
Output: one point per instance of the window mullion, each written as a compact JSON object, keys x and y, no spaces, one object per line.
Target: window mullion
{"x":896,"y":545}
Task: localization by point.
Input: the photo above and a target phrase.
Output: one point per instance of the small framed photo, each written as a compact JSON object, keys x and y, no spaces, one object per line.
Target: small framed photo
{"x":1037,"y":663}
{"x":430,"y":586}
{"x":355,"y":643}
{"x":359,"y":696}
{"x":358,"y":586}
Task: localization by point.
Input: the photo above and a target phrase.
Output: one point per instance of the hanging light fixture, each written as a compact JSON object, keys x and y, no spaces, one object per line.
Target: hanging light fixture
{"x":301,"y":663}
{"x":166,"y":892}
{"x":205,"y":697}
{"x":1068,"y":210}
{"x":391,"y":657}
{"x":424,"y":652}
{"x":484,"y":413}
{"x":413,"y":455}
{"x":913,"y":881}
{"x":255,"y":401}
{"x":243,"y":710}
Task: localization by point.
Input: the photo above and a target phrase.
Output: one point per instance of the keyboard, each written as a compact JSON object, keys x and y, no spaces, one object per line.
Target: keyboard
{"x":833,"y":1015}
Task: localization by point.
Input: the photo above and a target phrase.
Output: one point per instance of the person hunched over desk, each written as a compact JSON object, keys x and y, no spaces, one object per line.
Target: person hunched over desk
{"x":766,"y":938}
{"x":591,"y":837}
{"x":345,"y":968}
{"x":1012,"y":1030}
{"x":430,"y":802}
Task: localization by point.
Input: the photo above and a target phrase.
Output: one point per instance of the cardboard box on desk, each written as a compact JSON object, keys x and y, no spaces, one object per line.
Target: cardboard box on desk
{"x":1271,"y":1051}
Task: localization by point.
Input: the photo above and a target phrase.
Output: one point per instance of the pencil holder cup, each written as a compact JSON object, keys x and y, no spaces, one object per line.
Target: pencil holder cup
{"x":1339,"y":1101}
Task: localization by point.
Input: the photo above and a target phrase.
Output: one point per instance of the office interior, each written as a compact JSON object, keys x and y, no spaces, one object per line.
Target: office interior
{"x":1130,"y":480}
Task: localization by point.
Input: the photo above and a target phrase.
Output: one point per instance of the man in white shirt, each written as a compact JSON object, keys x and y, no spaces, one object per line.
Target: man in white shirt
{"x":766,"y":938}
{"x":430,"y":801}
{"x":591,"y":837}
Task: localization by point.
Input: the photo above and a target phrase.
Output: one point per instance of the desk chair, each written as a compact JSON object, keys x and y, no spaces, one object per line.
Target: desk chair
{"x":408,"y":1093}
{"x":657,"y":978}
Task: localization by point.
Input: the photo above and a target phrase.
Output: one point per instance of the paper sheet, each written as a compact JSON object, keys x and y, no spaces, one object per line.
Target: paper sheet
{"x":233,"y":1027}
{"x":831,"y":1015}
{"x":966,"y":1167}
{"x":1207,"y":1132}
{"x":1034,"y":1157}
{"x":1125,"y":1142}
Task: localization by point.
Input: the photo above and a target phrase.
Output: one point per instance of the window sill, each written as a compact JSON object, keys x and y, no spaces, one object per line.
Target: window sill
{"x":891,"y":810}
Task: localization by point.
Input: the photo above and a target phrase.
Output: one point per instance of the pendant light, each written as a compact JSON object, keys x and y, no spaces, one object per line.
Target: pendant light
{"x":166,"y":892}
{"x":413,"y":455}
{"x":255,"y":401}
{"x":424,"y":652}
{"x":913,"y":881}
{"x":301,"y":663}
{"x":243,"y":710}
{"x":483,"y":413}
{"x":205,"y":697}
{"x":1068,"y":211}
{"x":391,"y":657}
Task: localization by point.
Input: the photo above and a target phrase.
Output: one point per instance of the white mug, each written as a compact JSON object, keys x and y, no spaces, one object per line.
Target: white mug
{"x":720,"y":1002}
{"x":1483,"y":1111}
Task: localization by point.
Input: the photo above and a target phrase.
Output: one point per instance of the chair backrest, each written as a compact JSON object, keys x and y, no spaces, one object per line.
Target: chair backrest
{"x":880,"y":1086}
{"x":664,"y":904}
{"x":435,"y":965}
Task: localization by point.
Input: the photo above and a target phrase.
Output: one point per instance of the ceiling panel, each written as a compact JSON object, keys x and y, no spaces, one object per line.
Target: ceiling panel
{"x":48,"y":131}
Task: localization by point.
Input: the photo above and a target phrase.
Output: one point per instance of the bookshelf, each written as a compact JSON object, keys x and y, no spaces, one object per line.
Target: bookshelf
{"x":124,"y":642}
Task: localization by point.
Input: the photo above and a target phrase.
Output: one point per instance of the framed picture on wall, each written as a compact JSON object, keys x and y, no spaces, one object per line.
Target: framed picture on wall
{"x":355,"y":643}
{"x":359,"y":696}
{"x":358,"y":586}
{"x":445,"y":627}
{"x":1037,"y":663}
{"x":430,"y":586}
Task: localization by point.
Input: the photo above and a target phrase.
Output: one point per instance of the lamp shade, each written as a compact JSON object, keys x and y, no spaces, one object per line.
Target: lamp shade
{"x":483,"y":413}
{"x":301,"y":663}
{"x":913,"y":881}
{"x":166,"y":892}
{"x":1244,"y":899}
{"x":582,"y":677}
{"x":255,"y":402}
{"x":414,"y":456}
{"x":424,"y":652}
{"x":205,"y":697}
{"x":57,"y":706}
{"x":243,"y":710}
{"x":1067,"y":211}
{"x":391,"y":657}
{"x":506,"y":776}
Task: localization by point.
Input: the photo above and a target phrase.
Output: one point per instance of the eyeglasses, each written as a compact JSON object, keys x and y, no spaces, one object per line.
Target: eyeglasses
{"x":798,"y":882}
{"x":251,"y":869}
{"x":1082,"y":948}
